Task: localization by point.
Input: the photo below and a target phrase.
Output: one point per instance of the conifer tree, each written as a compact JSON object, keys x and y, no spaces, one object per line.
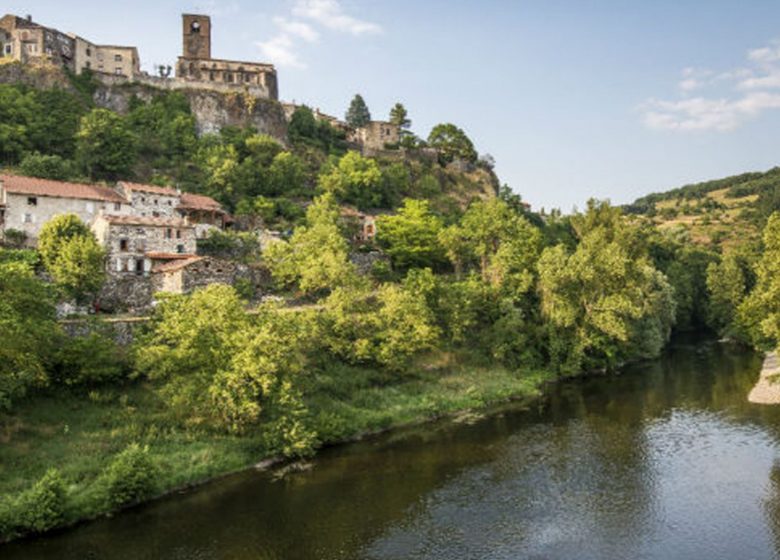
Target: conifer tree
{"x":358,"y":114}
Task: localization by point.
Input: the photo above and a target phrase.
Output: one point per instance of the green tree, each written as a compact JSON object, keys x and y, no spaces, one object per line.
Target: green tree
{"x":30,"y":331}
{"x":411,"y":237}
{"x":452,"y":143}
{"x":46,"y":167}
{"x":759,"y":313}
{"x":355,"y":179}
{"x":400,"y":117}
{"x":72,"y":256}
{"x":286,"y":175}
{"x":604,"y":303}
{"x":358,"y":114}
{"x":106,"y":146}
{"x":316,"y":257}
{"x":727,"y":288}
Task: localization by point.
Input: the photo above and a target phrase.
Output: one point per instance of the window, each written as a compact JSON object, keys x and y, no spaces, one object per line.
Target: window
{"x":118,"y":71}
{"x":168,"y":233}
{"x":8,"y":49}
{"x":170,"y":203}
{"x":91,"y":207}
{"x":88,"y":64}
{"x":100,"y":56}
{"x":123,"y":244}
{"x":89,"y":52}
{"x":195,"y":27}
{"x":247,"y":77}
{"x":27,"y":219}
{"x":32,"y":201}
{"x":212,"y":75}
{"x":155,"y":214}
{"x":117,"y":58}
{"x":180,"y":249}
{"x":117,"y":206}
{"x":178,"y":234}
{"x":139,"y":266}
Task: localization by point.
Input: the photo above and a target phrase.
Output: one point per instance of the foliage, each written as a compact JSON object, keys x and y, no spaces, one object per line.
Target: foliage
{"x":605,"y":303}
{"x":47,"y":167}
{"x":727,"y":286}
{"x":504,"y":243}
{"x":304,"y":128}
{"x":30,"y":333}
{"x":452,"y":143}
{"x":130,"y":478}
{"x":400,"y":117}
{"x":41,"y":507}
{"x":88,"y":360}
{"x":759,"y":313}
{"x":358,"y":114}
{"x":105,"y":145}
{"x":316,"y":257}
{"x":72,"y":256}
{"x":411,"y":237}
{"x":355,"y":179}
{"x":231,"y":245}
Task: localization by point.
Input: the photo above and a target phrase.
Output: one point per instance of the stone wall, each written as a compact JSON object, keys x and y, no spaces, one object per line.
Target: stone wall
{"x":130,"y":293}
{"x":122,"y":330}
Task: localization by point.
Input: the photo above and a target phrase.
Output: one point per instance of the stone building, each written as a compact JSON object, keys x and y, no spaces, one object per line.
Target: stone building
{"x":26,"y":203}
{"x":135,"y":244}
{"x":376,"y":135}
{"x":26,"y":41}
{"x":203,"y":212}
{"x":150,"y":200}
{"x":185,"y":275}
{"x":108,"y":59}
{"x":197,"y":65}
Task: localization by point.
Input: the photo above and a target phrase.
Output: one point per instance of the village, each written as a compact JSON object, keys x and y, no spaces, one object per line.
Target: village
{"x":150,"y":233}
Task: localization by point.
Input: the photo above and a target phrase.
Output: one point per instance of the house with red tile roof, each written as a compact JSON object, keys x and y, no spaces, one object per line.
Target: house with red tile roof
{"x":26,"y":203}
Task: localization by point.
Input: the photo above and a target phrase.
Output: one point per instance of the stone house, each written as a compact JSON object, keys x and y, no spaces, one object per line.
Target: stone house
{"x":376,"y":135}
{"x":108,"y":59}
{"x":203,"y":212}
{"x":26,"y":203}
{"x":185,"y":275}
{"x":135,"y":244}
{"x":27,"y":41}
{"x":197,"y":65}
{"x":361,"y":224}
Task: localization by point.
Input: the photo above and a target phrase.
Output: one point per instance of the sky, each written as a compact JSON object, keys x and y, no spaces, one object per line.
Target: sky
{"x":574,"y":99}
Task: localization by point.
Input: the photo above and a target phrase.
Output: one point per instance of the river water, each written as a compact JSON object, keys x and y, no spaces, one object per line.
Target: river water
{"x":666,"y":460}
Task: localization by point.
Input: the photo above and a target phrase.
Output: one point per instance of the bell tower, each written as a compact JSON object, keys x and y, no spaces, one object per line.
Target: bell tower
{"x":196,"y":32}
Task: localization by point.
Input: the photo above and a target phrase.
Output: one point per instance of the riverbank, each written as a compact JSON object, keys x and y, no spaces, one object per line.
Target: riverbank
{"x":767,"y":390}
{"x":81,"y":434}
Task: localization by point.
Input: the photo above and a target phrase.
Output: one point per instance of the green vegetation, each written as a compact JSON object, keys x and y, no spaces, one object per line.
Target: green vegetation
{"x":358,"y":114}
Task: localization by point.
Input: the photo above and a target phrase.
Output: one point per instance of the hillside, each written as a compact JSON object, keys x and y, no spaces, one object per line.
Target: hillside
{"x":720,"y":213}
{"x":241,"y":150}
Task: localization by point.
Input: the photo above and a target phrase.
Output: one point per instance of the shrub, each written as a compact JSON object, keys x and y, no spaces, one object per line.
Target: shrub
{"x":42,"y":506}
{"x":89,"y":360}
{"x":130,"y":478}
{"x":47,"y":167}
{"x":15,"y":238}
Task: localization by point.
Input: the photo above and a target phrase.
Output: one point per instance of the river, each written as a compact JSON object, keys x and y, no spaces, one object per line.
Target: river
{"x":666,"y":460}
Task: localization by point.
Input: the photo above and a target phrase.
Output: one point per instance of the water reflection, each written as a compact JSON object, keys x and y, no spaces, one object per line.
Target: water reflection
{"x":668,"y":460}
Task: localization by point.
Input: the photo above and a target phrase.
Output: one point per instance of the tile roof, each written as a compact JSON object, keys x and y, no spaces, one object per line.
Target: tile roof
{"x":177,"y":264}
{"x":147,"y":221}
{"x":154,"y":189}
{"x":191,"y":201}
{"x":16,"y":184}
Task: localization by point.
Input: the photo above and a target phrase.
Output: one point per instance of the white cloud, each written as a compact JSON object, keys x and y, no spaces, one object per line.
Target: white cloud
{"x":744,"y":93}
{"x":329,"y":13}
{"x":297,"y":29}
{"x":281,"y":51}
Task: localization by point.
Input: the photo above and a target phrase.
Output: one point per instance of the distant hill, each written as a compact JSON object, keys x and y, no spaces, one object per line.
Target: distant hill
{"x":718,"y":213}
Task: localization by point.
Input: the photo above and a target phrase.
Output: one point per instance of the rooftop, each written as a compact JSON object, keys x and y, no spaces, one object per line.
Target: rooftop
{"x":17,"y":184}
{"x":191,"y":201}
{"x":177,"y":264}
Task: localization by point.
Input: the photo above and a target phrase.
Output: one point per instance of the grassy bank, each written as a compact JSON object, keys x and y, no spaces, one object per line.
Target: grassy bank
{"x":80,"y":434}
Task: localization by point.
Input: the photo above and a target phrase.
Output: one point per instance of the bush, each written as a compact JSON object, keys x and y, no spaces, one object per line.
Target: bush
{"x":36,"y":510}
{"x":47,"y":167}
{"x":89,"y":360}
{"x":15,"y":238}
{"x":130,"y":478}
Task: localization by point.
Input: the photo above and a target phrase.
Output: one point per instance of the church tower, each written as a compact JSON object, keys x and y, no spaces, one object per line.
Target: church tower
{"x":196,"y":32}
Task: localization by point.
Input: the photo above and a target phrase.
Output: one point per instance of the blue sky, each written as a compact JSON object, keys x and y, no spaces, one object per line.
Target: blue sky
{"x":612,"y":99}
